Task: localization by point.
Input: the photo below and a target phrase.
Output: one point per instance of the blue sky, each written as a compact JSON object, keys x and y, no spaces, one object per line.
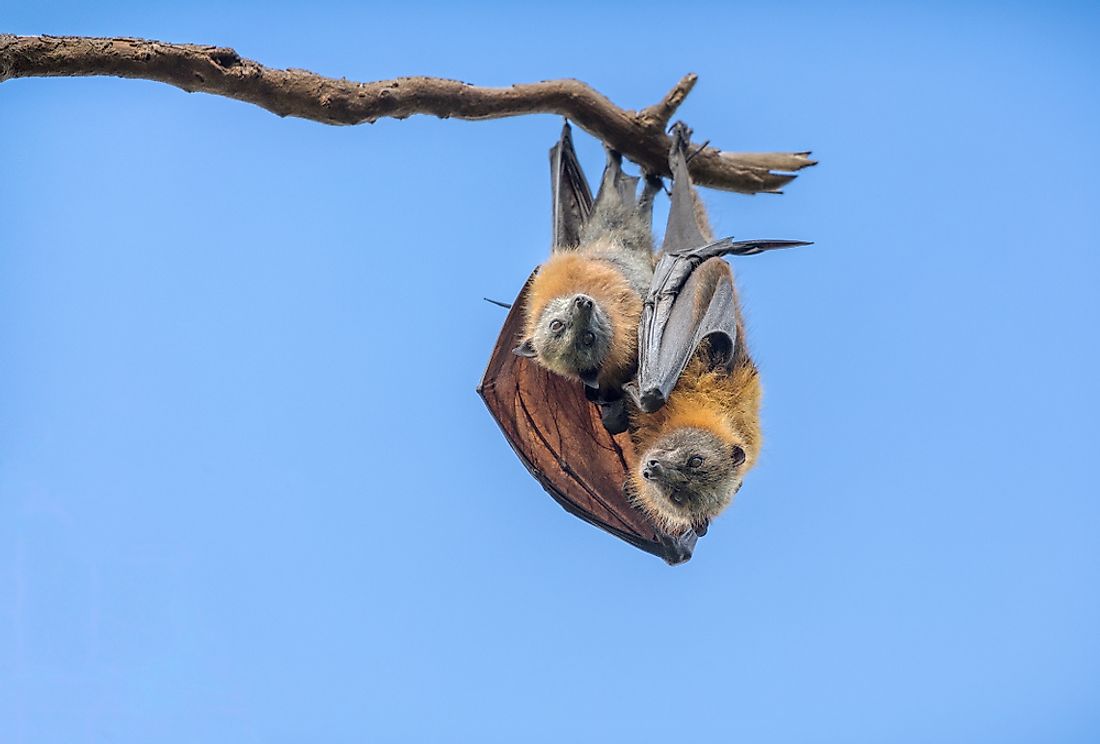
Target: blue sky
{"x":248,"y":493}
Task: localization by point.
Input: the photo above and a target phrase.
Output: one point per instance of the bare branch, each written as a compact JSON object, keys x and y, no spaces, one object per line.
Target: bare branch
{"x":639,"y":135}
{"x":660,"y":114}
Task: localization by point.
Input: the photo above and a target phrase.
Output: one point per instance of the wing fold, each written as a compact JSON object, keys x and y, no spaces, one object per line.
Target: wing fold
{"x":692,"y":297}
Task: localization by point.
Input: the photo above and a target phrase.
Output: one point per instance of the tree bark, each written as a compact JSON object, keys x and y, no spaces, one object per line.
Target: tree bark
{"x":639,"y":135}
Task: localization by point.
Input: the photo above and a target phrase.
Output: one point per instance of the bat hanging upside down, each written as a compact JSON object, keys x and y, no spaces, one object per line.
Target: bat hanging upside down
{"x":585,"y":302}
{"x":605,"y":312}
{"x":696,"y":427}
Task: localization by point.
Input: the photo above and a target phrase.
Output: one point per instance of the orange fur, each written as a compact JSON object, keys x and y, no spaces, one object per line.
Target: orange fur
{"x":572,"y":273}
{"x":727,"y":405}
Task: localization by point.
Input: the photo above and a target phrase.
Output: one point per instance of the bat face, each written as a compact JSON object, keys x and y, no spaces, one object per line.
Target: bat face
{"x":687,"y":477}
{"x":573,"y":337}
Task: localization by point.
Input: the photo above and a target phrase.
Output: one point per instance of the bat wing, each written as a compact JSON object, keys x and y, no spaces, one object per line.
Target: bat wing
{"x":572,"y":197}
{"x":686,"y":305}
{"x":558,"y":436}
{"x":682,"y":231}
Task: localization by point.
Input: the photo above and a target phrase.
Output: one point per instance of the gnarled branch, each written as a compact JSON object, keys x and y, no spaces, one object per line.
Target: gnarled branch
{"x":639,"y":135}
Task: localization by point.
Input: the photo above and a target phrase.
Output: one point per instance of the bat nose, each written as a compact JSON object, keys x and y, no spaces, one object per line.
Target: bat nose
{"x":653,"y":470}
{"x":582,"y":302}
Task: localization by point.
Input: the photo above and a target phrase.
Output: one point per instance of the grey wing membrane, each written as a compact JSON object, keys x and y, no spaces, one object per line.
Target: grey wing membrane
{"x":682,"y":231}
{"x":571,"y":197}
{"x":685,"y":305}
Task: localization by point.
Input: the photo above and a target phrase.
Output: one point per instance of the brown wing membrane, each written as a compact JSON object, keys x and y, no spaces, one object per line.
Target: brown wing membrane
{"x":560,"y":439}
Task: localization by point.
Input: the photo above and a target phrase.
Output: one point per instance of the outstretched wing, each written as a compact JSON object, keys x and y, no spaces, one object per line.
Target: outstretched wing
{"x":686,"y":305}
{"x":571,"y":195}
{"x":558,"y":436}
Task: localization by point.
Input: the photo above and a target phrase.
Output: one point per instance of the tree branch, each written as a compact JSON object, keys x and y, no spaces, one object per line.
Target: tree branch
{"x":639,"y":135}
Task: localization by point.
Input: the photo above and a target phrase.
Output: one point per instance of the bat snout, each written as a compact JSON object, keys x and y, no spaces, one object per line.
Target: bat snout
{"x":653,"y":470}
{"x":583,"y":309}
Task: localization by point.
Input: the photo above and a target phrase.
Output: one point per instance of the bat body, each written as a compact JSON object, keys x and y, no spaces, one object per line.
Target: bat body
{"x":583,"y":306}
{"x":696,"y":429}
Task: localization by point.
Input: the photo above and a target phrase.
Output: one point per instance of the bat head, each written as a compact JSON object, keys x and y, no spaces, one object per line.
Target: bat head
{"x":572,"y":337}
{"x":687,"y":477}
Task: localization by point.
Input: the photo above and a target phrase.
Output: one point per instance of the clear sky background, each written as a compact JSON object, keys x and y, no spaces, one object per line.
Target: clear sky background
{"x":248,"y":492}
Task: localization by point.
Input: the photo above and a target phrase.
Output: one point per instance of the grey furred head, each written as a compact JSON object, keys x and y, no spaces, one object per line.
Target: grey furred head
{"x":573,"y":338}
{"x":688,"y":477}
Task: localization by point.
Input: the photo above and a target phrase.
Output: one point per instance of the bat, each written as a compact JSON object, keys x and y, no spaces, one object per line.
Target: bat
{"x":549,"y":419}
{"x":696,"y":425}
{"x":583,"y":305}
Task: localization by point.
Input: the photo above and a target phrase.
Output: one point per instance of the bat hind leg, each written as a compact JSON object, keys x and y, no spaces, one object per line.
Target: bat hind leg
{"x":612,"y":409}
{"x":619,"y":211}
{"x":614,"y":417}
{"x":653,"y":186}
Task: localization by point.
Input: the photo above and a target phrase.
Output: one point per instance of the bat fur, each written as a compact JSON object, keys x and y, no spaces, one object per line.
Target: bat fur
{"x":693,"y":453}
{"x":585,"y":303}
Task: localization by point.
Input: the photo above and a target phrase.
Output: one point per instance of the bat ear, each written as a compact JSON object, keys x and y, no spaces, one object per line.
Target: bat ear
{"x":526,"y":349}
{"x":738,"y":455}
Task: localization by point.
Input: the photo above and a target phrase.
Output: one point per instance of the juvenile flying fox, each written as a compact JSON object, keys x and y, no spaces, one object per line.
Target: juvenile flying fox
{"x":584,"y":304}
{"x":697,"y":428}
{"x":694,"y":452}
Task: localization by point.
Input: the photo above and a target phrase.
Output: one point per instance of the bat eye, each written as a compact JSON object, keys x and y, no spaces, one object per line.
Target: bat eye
{"x":588,"y":338}
{"x":556,"y":326}
{"x":695,"y":461}
{"x":738,"y":456}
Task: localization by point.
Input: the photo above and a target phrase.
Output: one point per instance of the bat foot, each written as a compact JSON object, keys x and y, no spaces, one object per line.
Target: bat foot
{"x":613,"y":415}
